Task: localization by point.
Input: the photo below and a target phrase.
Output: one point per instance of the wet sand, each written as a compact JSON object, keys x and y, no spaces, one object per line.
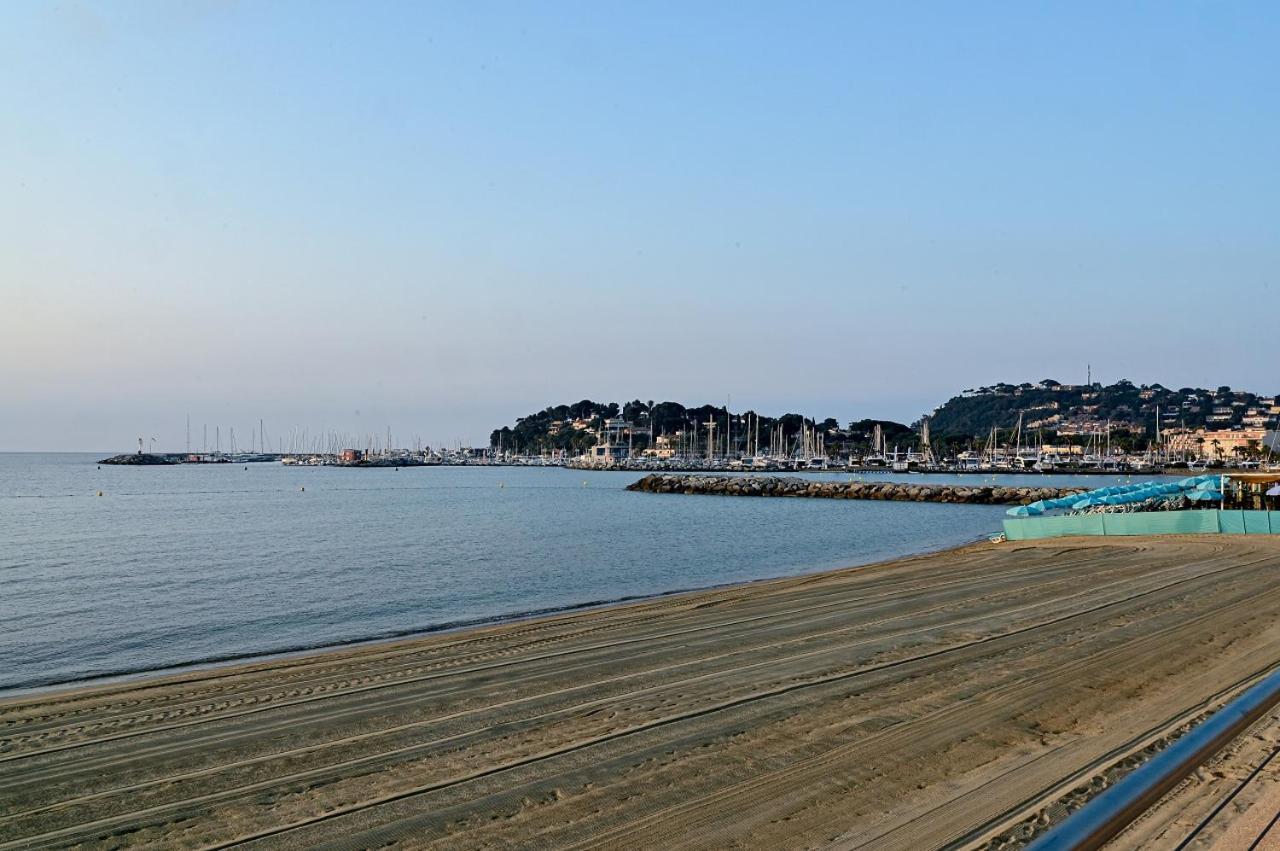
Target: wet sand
{"x":923,"y":702}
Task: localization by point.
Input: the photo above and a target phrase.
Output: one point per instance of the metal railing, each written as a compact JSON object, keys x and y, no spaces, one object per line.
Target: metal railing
{"x":1102,"y":818}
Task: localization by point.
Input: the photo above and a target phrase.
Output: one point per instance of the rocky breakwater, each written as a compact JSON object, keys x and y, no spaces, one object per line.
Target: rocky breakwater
{"x":891,"y":491}
{"x":139,"y":458}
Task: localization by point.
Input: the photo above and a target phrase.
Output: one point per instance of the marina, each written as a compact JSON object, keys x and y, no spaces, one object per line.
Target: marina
{"x":572,"y":426}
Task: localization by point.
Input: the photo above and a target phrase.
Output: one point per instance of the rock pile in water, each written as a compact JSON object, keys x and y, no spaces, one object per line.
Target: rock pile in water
{"x":139,"y":458}
{"x":893,"y":491}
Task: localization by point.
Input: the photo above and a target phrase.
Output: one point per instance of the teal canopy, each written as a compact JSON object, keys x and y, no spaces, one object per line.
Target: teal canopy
{"x":1123,"y":495}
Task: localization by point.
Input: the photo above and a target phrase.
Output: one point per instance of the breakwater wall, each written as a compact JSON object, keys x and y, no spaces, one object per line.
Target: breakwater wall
{"x":890,"y":491}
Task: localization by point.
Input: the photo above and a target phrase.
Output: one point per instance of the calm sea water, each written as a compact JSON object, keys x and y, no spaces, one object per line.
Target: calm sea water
{"x":186,"y":565}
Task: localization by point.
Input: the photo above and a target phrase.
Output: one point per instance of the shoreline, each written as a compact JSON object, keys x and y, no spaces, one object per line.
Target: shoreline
{"x":907,"y":703}
{"x":248,"y":660}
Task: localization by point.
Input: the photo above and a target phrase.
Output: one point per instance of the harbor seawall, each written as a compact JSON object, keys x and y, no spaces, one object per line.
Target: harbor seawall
{"x":888,"y":491}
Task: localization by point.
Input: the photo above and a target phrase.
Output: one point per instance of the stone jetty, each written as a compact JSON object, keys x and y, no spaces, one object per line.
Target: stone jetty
{"x":890,"y":491}
{"x":140,"y":459}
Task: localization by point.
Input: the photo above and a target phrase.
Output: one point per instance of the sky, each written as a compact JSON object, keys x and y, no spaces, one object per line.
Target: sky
{"x":437,"y":217}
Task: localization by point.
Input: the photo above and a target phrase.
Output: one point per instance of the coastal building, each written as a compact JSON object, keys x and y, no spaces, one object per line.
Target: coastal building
{"x":664,"y":446}
{"x":603,"y":454}
{"x":1218,"y":444}
{"x":613,"y":444}
{"x":1082,"y":427}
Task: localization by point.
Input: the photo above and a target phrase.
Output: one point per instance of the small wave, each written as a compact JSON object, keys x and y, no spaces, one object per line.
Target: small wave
{"x":102,"y":675}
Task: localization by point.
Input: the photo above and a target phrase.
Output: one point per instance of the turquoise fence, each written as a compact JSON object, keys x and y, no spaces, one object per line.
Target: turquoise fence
{"x":1207,"y":521}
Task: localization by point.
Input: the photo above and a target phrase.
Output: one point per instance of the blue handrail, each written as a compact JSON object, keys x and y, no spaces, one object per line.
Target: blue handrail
{"x":1102,"y":818}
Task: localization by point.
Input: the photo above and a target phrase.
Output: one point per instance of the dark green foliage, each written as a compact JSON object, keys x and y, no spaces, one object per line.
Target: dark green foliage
{"x":864,"y":429}
{"x":552,"y":428}
{"x":1131,"y":410}
{"x":976,"y":412}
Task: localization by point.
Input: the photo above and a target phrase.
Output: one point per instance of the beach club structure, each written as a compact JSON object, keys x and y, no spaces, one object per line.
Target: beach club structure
{"x":1230,"y":504}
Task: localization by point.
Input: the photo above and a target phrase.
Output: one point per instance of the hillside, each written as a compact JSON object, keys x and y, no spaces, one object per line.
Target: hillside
{"x":574,"y":427}
{"x":1057,"y":411}
{"x":1071,"y":410}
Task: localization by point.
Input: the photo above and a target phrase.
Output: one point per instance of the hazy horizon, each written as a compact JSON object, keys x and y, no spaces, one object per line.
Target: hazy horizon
{"x":439,"y":218}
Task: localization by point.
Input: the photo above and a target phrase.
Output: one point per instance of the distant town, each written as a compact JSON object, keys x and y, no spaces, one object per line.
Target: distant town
{"x":1042,"y":427}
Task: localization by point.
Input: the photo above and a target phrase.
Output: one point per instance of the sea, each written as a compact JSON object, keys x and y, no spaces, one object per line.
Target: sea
{"x":116,"y":571}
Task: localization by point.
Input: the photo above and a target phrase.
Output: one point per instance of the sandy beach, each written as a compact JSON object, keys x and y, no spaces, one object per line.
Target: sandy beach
{"x":929,"y":701}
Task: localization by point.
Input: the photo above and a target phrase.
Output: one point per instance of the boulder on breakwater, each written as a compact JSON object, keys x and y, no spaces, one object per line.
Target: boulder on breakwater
{"x":891,"y":491}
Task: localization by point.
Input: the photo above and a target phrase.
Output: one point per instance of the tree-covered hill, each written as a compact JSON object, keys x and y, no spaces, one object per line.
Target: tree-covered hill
{"x":1055,"y":410}
{"x":574,"y":427}
{"x":1072,"y":409}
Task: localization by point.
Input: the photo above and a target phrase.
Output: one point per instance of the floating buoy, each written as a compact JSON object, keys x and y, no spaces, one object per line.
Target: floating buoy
{"x":584,"y":483}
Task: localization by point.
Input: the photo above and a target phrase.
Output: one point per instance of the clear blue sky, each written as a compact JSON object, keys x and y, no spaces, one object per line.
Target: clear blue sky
{"x":437,"y":217}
